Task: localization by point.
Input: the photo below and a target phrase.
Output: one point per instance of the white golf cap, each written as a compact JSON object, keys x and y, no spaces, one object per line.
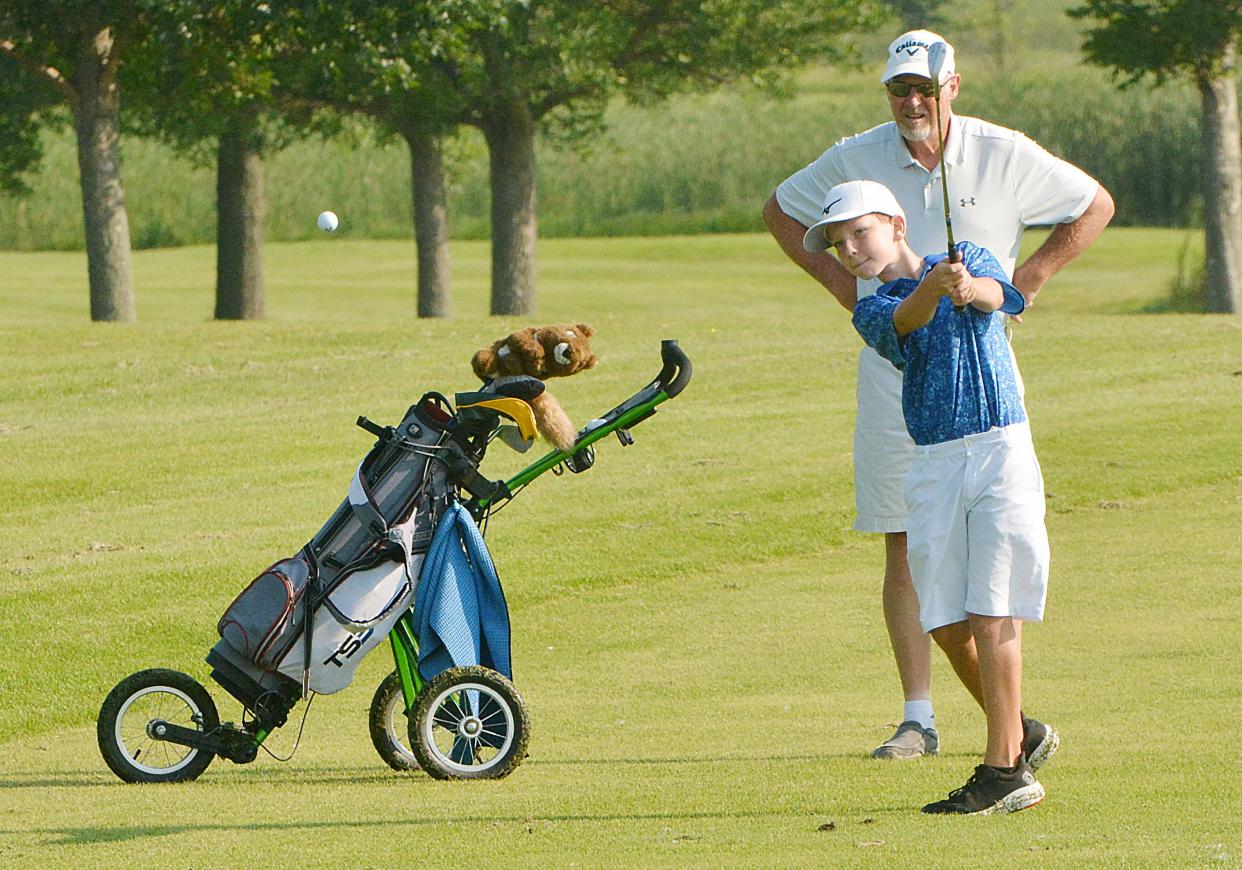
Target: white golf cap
{"x":846,"y":202}
{"x":907,"y":55}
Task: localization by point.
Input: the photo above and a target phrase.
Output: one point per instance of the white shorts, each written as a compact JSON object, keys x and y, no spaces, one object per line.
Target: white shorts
{"x":976,"y":538}
{"x":883,"y":450}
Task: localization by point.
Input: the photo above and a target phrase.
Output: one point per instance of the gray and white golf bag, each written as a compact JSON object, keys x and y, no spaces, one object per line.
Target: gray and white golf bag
{"x":355,"y":577}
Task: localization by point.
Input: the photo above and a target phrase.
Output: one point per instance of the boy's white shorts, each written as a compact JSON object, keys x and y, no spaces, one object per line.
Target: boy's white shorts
{"x":883,"y":449}
{"x":976,"y":537}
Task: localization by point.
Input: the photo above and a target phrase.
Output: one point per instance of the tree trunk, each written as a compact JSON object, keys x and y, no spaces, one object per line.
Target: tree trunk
{"x":96,"y":122}
{"x":1222,"y":189}
{"x":429,"y":194}
{"x":511,"y":146}
{"x":240,"y":211}
{"x":1000,"y":40}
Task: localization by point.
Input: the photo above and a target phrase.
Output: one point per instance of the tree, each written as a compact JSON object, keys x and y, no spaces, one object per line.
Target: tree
{"x":532,"y":65}
{"x":1138,"y":39}
{"x":389,"y":69}
{"x":30,"y":104}
{"x":918,"y":14}
{"x":1000,"y":10}
{"x":203,"y":83}
{"x":73,"y":49}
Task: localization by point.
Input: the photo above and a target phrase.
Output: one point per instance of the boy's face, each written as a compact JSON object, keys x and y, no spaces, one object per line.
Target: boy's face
{"x":866,"y":244}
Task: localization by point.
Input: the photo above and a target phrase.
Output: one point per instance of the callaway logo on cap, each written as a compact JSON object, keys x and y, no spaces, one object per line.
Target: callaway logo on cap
{"x":907,"y":55}
{"x":846,"y":202}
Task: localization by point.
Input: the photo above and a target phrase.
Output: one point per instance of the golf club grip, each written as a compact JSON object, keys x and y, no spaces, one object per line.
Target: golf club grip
{"x":955,"y":256}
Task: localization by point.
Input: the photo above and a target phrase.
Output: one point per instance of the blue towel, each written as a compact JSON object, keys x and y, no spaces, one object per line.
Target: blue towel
{"x":459,"y":608}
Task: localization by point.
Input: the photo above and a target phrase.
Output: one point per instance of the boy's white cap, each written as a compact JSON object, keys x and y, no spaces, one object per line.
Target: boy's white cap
{"x":907,"y":55}
{"x":846,"y":202}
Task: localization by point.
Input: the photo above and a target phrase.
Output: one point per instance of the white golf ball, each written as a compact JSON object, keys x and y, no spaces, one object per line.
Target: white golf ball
{"x":327,"y":221}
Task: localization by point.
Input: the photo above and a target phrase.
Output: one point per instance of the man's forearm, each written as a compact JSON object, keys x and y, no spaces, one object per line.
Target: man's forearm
{"x":1064,"y":243}
{"x":824,"y":268}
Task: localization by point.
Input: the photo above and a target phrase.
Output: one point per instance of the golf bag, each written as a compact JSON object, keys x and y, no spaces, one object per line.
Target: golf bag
{"x":356,"y":576}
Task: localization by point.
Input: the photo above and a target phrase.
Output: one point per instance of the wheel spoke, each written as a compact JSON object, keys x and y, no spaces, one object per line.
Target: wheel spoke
{"x":490,"y":708}
{"x":463,"y":751}
{"x":492,"y":738}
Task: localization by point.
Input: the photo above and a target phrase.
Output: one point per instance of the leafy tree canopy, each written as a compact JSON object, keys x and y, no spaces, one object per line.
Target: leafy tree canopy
{"x":1160,"y":38}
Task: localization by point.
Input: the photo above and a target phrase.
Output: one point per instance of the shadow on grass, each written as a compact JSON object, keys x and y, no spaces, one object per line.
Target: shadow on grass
{"x":1175,"y":304}
{"x":698,"y":759}
{"x":320,"y":775}
{"x":308,"y":776}
{"x":66,"y":779}
{"x":124,"y":833}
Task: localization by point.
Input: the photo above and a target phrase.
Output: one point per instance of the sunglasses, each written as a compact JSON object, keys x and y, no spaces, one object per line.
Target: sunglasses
{"x":901,"y":90}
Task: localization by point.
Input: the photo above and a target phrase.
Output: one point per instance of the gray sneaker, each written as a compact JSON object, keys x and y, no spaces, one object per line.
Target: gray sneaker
{"x":911,"y":741}
{"x":1039,"y":742}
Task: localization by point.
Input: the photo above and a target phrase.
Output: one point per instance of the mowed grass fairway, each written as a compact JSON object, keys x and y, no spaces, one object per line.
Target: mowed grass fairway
{"x":696,"y":630}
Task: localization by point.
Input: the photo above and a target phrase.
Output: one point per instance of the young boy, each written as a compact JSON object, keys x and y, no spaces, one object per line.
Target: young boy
{"x":977,"y":545}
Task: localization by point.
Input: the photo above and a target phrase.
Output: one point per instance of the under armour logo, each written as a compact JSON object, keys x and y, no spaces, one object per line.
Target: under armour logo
{"x":967,"y":200}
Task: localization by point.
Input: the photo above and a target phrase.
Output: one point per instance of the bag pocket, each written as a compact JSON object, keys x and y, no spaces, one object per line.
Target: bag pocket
{"x":266,"y":615}
{"x":367,"y":596}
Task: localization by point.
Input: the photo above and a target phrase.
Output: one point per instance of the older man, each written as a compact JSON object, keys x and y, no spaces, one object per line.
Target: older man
{"x":1000,"y":182}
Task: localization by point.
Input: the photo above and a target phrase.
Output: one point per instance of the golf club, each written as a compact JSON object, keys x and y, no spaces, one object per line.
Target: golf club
{"x":935,"y":63}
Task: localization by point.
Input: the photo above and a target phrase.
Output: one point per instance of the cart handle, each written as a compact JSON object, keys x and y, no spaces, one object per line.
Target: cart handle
{"x":677,"y":368}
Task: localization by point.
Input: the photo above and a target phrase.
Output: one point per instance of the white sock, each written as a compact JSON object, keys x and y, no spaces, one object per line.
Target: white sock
{"x":920,"y":711}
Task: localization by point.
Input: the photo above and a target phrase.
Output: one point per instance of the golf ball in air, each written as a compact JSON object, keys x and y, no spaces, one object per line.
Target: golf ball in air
{"x":327,"y":221}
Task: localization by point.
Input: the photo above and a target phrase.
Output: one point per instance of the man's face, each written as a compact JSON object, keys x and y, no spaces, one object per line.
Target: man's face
{"x":866,"y":244}
{"x":914,"y":112}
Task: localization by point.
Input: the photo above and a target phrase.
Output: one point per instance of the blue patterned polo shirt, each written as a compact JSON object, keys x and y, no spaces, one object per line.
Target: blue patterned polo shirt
{"x":957,"y":372}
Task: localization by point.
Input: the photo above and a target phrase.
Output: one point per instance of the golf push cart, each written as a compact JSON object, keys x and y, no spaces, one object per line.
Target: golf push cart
{"x":401,"y":558}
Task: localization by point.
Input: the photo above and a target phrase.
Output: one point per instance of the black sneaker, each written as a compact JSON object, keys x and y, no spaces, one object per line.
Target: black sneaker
{"x":991,"y":790}
{"x":1039,"y":742}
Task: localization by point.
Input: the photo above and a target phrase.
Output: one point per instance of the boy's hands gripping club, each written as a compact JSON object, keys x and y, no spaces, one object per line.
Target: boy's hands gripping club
{"x":950,"y":278}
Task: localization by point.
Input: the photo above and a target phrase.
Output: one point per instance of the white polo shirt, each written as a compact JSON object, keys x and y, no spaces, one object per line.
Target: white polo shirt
{"x":1000,"y":183}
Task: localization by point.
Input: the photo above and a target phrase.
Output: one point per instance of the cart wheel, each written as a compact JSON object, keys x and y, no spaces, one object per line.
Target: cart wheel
{"x":390,"y":728}
{"x":470,"y":723}
{"x":138,"y":699}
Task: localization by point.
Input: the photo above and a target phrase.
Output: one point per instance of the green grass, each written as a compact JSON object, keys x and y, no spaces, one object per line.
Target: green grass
{"x":696,"y":629}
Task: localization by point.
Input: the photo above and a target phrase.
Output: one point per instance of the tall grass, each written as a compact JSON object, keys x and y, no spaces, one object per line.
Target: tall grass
{"x":695,"y":164}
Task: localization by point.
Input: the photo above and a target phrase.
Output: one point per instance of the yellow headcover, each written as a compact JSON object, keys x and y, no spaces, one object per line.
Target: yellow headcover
{"x":515,"y":409}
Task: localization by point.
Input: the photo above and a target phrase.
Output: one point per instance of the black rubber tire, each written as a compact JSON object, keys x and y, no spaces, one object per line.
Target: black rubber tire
{"x":506,"y":713}
{"x":389,"y":725}
{"x":122,"y":758}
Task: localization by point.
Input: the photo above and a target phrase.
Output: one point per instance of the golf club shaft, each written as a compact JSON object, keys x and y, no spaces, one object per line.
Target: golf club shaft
{"x":954,"y":255}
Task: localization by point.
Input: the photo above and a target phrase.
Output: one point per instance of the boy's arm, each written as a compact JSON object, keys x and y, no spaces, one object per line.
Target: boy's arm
{"x":916,"y":310}
{"x":919,"y":307}
{"x":982,"y":294}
